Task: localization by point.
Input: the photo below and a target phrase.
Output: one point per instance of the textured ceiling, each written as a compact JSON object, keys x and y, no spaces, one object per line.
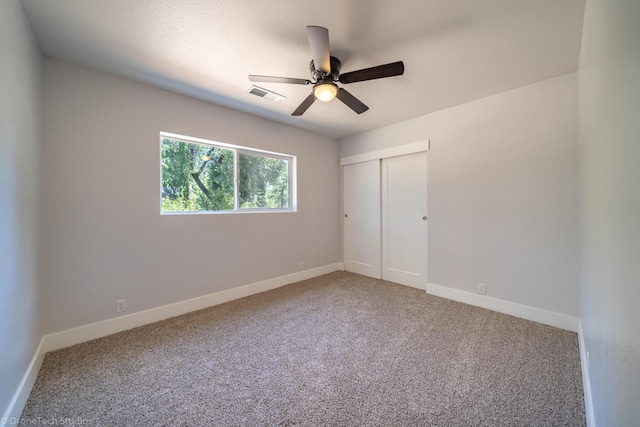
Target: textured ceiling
{"x":454,"y":51}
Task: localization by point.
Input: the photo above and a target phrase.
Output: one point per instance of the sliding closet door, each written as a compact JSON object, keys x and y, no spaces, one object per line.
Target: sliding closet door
{"x":362,"y":238}
{"x":404,"y":219}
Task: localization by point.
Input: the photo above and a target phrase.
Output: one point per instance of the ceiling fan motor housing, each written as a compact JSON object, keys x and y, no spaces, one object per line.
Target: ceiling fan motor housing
{"x":335,"y":70}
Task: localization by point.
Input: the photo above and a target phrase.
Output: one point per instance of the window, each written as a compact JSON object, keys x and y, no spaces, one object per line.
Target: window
{"x":206,"y":176}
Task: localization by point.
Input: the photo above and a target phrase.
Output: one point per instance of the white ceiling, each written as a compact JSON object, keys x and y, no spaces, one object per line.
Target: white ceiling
{"x":454,"y":51}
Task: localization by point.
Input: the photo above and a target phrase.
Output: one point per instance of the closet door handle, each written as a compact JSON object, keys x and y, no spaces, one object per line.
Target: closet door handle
{"x":424,"y":218}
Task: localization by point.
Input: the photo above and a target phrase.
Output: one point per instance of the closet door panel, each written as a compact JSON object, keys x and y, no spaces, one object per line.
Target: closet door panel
{"x":404,"y":219}
{"x":362,"y":219}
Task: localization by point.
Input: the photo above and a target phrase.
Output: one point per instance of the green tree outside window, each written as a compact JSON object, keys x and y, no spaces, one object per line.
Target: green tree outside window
{"x":200,"y":177}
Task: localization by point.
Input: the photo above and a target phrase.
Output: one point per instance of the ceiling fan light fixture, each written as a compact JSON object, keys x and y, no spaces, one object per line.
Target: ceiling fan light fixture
{"x":325,"y":91}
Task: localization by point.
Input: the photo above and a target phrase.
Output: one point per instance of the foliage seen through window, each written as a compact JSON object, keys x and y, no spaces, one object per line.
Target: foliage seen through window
{"x":200,"y":177}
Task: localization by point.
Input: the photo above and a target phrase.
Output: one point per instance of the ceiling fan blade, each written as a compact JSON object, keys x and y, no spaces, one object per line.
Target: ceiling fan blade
{"x":379,"y":72}
{"x":270,"y":79}
{"x":351,"y":101}
{"x":319,"y":43}
{"x":304,"y":106}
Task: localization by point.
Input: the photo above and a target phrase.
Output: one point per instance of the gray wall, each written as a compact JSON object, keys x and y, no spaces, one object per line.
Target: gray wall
{"x":102,"y":232}
{"x":20,"y":76}
{"x":610,"y":207}
{"x":502,"y":192}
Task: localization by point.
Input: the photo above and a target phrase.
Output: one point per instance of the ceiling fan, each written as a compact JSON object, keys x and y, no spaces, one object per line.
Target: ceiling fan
{"x":325,"y":71}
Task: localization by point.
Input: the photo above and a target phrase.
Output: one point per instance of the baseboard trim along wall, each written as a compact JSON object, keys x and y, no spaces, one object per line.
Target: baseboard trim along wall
{"x":534,"y":314}
{"x":92,"y":331}
{"x":586,"y":381}
{"x":13,"y":412}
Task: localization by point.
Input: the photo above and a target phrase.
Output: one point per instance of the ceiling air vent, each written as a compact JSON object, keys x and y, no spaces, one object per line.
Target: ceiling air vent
{"x":264,"y":93}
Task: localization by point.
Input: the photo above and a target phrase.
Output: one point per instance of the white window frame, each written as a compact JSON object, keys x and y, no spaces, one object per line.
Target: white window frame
{"x":293,"y":205}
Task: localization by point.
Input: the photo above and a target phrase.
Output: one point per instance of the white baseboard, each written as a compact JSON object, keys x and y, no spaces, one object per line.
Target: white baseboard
{"x":92,"y":331}
{"x":534,"y":314}
{"x":586,"y":381}
{"x":13,"y":412}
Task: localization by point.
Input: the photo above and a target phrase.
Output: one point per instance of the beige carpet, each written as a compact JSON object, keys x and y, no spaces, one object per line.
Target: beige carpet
{"x":338,"y":350}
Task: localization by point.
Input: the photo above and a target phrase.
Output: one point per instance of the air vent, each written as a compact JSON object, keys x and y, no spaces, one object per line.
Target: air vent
{"x":264,"y":93}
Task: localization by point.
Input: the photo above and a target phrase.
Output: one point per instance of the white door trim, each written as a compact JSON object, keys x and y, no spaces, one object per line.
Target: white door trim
{"x":400,"y":150}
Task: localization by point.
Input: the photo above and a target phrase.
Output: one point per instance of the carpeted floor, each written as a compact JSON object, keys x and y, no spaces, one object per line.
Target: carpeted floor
{"x":337,"y":350}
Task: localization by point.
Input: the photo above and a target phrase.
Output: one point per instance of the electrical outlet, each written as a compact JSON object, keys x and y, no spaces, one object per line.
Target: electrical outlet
{"x":482,"y":288}
{"x":121,"y":305}
{"x":300,"y":265}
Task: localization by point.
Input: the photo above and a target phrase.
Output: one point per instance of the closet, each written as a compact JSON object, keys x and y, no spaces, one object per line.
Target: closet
{"x":385,"y":214}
